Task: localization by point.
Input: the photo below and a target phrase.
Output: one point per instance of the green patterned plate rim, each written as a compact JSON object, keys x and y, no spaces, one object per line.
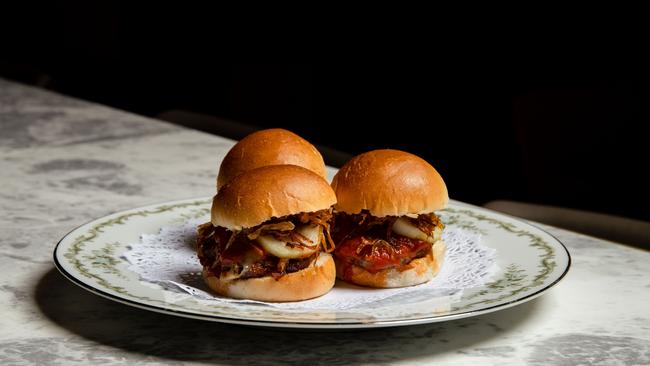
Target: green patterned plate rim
{"x":530,"y":262}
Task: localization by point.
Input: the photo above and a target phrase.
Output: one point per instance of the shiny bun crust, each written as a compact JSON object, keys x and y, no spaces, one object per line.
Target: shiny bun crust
{"x":269,"y":147}
{"x":421,"y":270}
{"x":258,"y":195}
{"x":313,"y":281}
{"x":389,"y":183}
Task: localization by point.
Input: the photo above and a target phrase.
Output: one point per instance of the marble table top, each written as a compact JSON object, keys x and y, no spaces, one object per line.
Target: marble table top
{"x":64,"y":161}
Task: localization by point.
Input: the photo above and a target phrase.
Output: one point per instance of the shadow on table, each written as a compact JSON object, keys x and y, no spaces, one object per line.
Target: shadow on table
{"x":157,"y":335}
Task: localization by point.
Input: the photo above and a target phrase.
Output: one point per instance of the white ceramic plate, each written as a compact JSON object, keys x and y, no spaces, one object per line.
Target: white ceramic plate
{"x":530,"y":262}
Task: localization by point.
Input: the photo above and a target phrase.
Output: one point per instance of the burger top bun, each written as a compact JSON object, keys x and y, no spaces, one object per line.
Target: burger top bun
{"x":269,"y":147}
{"x":258,"y":195}
{"x":389,"y":183}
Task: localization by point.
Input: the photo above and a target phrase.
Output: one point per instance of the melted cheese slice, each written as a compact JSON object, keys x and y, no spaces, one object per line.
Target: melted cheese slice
{"x":280,"y":249}
{"x":404,"y":227}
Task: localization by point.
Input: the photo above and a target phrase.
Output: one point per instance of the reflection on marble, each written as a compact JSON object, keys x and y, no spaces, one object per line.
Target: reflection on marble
{"x":65,"y":161}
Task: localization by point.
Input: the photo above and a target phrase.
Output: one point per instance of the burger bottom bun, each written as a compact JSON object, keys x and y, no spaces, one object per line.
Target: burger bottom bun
{"x":418,"y":271}
{"x":313,"y":281}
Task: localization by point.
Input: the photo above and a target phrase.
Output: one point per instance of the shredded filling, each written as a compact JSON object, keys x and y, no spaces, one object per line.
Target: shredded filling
{"x":371,"y":243}
{"x":238,"y":255}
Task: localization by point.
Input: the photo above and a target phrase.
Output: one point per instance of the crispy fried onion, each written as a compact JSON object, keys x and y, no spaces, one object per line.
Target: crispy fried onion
{"x":285,"y":230}
{"x":376,"y":244}
{"x":368,"y":221}
{"x":321,"y":218}
{"x":231,"y":240}
{"x":271,"y":229}
{"x":373,"y":228}
{"x":427,"y":223}
{"x":294,"y":239}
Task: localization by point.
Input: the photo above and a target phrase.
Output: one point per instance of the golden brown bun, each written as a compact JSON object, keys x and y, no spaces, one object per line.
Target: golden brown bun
{"x":313,"y":281}
{"x":269,"y":147}
{"x":421,"y":270}
{"x":258,"y":195}
{"x":389,"y":183}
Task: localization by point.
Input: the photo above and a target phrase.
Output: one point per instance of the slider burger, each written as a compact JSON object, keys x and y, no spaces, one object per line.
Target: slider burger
{"x":385,"y":228}
{"x":274,"y":146}
{"x":269,"y":237}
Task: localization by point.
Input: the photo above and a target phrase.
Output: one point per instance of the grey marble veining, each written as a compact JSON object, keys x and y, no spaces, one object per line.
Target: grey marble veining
{"x":65,"y":161}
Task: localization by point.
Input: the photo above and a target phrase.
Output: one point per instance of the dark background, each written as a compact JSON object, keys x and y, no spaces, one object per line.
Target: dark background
{"x":537,"y":124}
